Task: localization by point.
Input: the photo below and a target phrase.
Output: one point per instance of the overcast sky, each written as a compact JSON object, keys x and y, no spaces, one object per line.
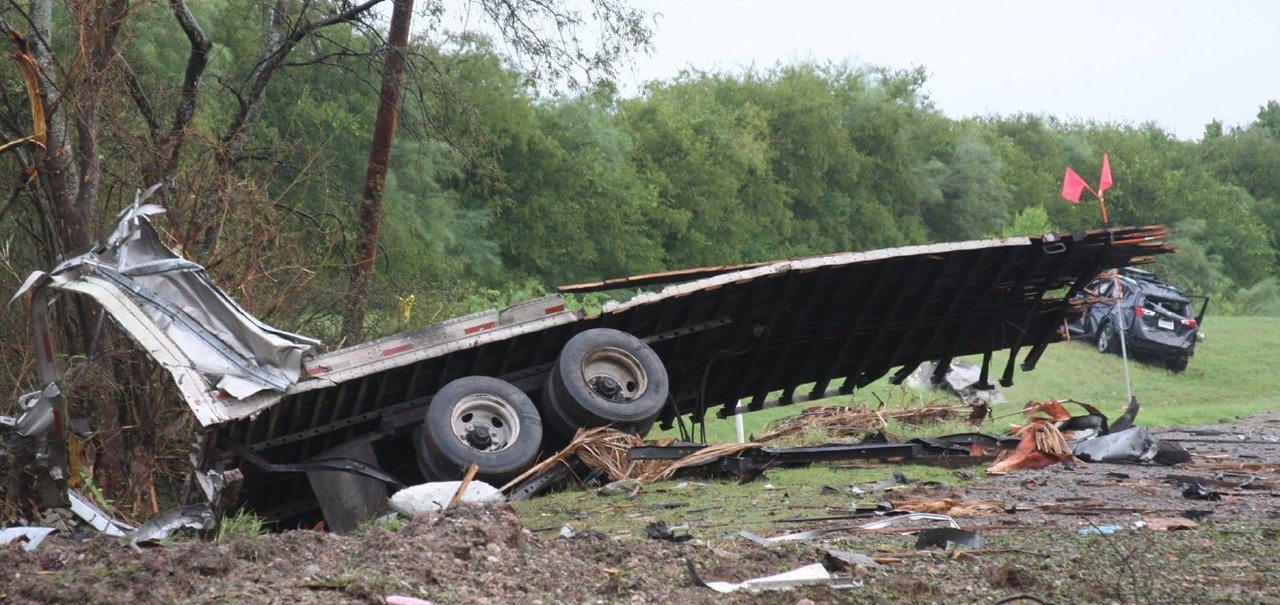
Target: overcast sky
{"x":1177,"y":63}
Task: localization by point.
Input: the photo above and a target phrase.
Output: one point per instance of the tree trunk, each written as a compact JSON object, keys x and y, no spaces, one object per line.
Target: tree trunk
{"x":375,"y":181}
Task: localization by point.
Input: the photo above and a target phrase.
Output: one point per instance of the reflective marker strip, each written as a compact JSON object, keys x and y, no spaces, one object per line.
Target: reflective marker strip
{"x":396,"y":350}
{"x":555,"y":309}
{"x":479,"y":328}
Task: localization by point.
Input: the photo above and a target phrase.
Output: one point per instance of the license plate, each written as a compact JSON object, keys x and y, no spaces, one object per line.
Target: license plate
{"x":1165,"y":323}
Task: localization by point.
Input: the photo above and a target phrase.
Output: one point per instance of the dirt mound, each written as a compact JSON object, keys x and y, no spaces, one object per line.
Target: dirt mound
{"x":473,"y":554}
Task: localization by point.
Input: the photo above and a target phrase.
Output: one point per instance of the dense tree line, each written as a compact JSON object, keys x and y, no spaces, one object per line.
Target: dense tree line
{"x":714,"y":168}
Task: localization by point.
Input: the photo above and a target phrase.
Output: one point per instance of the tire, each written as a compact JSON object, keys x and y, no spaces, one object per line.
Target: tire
{"x":559,"y":428}
{"x":1176,"y":364}
{"x":428,"y":465}
{"x":479,"y":420}
{"x":1106,"y":338}
{"x":606,"y":377}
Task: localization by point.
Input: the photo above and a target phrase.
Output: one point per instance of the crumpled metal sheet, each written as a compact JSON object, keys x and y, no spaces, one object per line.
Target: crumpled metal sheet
{"x":194,"y":516}
{"x":231,"y":349}
{"x":1135,"y":444}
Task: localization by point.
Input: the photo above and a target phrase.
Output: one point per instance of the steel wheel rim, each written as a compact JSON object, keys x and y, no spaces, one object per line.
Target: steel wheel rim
{"x":614,"y":374}
{"x":1104,"y":339}
{"x":490,"y":412}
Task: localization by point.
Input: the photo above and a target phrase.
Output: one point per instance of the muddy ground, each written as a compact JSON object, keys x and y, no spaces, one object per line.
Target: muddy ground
{"x":1045,"y":537}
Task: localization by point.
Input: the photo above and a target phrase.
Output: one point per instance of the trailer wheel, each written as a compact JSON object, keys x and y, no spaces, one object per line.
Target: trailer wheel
{"x":606,"y":377}
{"x":428,"y":465}
{"x":479,"y":420}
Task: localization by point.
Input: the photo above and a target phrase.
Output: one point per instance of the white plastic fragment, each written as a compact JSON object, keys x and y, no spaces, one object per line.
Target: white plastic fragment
{"x":29,"y":537}
{"x":403,"y":600}
{"x":434,"y":496}
{"x":807,"y":575}
{"x":90,"y":513}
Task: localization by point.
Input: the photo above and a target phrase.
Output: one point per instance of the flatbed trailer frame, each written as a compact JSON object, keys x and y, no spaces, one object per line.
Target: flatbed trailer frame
{"x":731,"y":340}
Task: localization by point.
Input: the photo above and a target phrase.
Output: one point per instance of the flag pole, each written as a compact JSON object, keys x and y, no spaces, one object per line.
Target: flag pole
{"x":1106,"y":222}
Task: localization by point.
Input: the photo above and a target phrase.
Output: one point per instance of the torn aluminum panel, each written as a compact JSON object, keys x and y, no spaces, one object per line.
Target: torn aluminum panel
{"x":193,"y":516}
{"x":171,"y":308}
{"x":1134,"y":444}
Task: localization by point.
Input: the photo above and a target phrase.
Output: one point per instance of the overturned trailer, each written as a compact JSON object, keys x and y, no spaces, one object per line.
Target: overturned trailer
{"x":295,"y":435}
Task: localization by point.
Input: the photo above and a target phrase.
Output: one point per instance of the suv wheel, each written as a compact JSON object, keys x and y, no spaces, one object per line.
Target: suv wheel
{"x":1177,"y":364}
{"x":1106,"y":338}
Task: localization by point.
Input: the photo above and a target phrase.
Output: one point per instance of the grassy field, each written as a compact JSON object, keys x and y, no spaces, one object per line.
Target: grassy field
{"x":1232,"y":375}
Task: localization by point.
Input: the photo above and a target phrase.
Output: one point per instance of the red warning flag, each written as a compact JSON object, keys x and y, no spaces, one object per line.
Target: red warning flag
{"x":1104,"y":183}
{"x":1072,"y":186}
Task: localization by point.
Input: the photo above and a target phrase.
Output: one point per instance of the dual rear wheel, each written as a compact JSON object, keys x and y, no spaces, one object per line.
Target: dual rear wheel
{"x":601,"y":377}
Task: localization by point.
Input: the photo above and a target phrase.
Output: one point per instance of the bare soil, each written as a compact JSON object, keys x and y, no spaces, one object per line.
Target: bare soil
{"x":1076,"y":533}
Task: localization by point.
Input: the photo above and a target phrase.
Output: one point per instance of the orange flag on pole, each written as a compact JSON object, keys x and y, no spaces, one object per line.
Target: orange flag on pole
{"x":1073,"y":186}
{"x":1104,"y":183}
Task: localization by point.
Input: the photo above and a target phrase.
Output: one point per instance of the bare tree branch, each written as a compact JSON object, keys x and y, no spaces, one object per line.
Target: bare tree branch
{"x":139,"y":97}
{"x":189,"y":95}
{"x":273,"y":56}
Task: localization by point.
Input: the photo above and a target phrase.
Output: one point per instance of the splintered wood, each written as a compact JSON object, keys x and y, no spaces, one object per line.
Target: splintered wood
{"x":608,"y":451}
{"x":856,"y":421}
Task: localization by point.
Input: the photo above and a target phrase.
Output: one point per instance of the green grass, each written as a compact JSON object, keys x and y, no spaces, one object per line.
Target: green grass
{"x":1230,"y":377}
{"x":240,"y":525}
{"x":713,"y":507}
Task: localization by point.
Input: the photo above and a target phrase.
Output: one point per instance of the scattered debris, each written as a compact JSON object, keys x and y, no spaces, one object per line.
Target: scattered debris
{"x":658,"y":530}
{"x":1195,"y":491}
{"x":953,"y":507}
{"x":891,"y":521}
{"x":193,"y":516}
{"x":1101,"y":529}
{"x":1169,"y":523}
{"x":805,"y":576}
{"x":941,"y":536}
{"x":630,"y":487}
{"x":28,"y":537}
{"x":961,"y":378}
{"x":1042,"y":445}
{"x":434,"y":496}
{"x":401,"y":600}
{"x":1134,"y":444}
{"x":849,"y":558}
{"x":854,"y":421}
